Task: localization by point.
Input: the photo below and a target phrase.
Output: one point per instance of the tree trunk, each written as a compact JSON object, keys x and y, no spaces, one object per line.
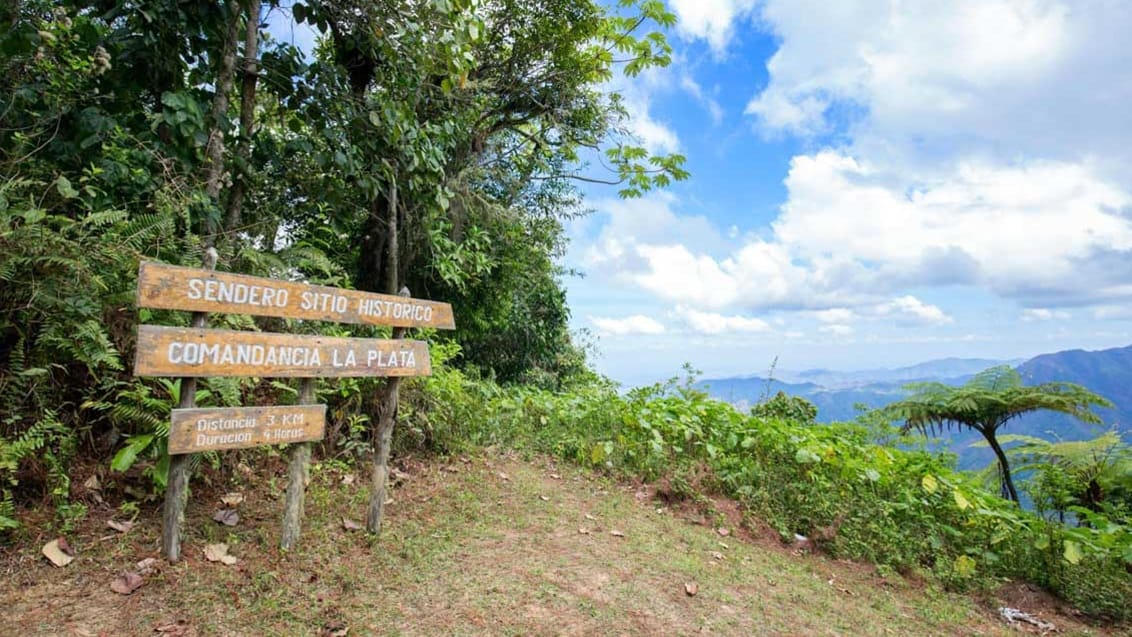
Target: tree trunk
{"x":387,"y":408}
{"x":247,"y":115}
{"x":298,"y":476}
{"x":1007,"y":483}
{"x":180,"y":465}
{"x":214,"y":151}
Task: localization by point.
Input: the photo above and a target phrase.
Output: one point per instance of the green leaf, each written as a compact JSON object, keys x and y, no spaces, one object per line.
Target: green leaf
{"x":128,"y":455}
{"x":1042,"y":543}
{"x":960,"y":500}
{"x":929,"y":483}
{"x":964,"y":566}
{"x":63,"y":185}
{"x":1072,"y":552}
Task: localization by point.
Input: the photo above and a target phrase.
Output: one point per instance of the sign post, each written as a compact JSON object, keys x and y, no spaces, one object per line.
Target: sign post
{"x":196,"y":352}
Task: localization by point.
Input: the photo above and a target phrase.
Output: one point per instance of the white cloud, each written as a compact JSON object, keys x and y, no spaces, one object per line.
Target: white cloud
{"x":709,"y":103}
{"x":656,"y":136}
{"x":636,"y":324}
{"x":911,"y":309}
{"x":1044,"y":314}
{"x":917,"y":81}
{"x":711,"y":323}
{"x":711,"y":20}
{"x":835,"y":315}
{"x":837,"y":329}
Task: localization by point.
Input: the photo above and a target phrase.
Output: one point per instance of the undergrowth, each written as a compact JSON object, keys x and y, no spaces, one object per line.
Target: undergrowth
{"x":906,"y":509}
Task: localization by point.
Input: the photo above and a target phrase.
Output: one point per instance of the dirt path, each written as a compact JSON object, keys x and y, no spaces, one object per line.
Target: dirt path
{"x":487,"y":545}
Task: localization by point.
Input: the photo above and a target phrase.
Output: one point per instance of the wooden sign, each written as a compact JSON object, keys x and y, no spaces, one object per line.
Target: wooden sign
{"x":172,"y":287}
{"x":188,"y":352}
{"x":196,"y":430}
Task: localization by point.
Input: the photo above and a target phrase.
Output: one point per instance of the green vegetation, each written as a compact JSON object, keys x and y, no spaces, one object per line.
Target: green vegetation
{"x":988,"y":401}
{"x":429,"y":146}
{"x":905,"y":510}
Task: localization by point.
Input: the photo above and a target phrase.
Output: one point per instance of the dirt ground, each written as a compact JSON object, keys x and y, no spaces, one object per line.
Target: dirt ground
{"x":484,"y":545}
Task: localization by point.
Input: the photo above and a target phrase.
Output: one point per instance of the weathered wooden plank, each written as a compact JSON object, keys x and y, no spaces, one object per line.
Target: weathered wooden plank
{"x":177,"y":288}
{"x":196,"y":430}
{"x":178,"y":351}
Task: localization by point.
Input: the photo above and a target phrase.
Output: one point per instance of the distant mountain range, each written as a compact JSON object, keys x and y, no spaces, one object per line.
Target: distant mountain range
{"x":839,"y":396}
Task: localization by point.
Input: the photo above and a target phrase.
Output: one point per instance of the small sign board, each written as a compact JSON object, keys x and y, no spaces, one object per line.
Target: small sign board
{"x":196,"y":430}
{"x":189,"y":352}
{"x":171,"y":287}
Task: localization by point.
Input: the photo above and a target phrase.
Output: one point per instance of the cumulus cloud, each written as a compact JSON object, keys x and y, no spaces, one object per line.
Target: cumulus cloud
{"x":913,"y":310}
{"x":629,"y":325}
{"x":710,"y":20}
{"x":921,"y":80}
{"x":1044,"y":314}
{"x":713,"y":324}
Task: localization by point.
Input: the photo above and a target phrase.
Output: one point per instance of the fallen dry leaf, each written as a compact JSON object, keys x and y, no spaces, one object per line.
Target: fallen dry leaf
{"x":716,"y":555}
{"x":348,"y":479}
{"x":504,"y":476}
{"x":334,"y":629}
{"x":59,"y":552}
{"x":617,"y":533}
{"x":227,"y":517}
{"x":723,"y":531}
{"x":544,"y":498}
{"x":590,"y":517}
{"x":691,"y":588}
{"x":121,"y":527}
{"x":555,"y":476}
{"x":147,"y":566}
{"x":583,"y":531}
{"x":219,"y":553}
{"x":175,"y":629}
{"x":350,"y":525}
{"x":92,"y":483}
{"x":232,"y":499}
{"x":126,"y":583}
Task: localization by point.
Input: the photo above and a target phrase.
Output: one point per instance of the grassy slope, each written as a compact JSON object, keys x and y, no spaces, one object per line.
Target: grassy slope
{"x":487,"y":545}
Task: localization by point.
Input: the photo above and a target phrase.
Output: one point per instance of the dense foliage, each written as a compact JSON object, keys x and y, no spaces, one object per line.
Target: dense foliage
{"x":904,"y":509}
{"x":432,"y":144}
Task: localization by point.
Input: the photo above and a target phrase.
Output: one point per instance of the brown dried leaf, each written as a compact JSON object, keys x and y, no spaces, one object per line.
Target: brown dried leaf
{"x":716,"y":555}
{"x":59,"y":552}
{"x":617,"y":533}
{"x":175,"y":629}
{"x":555,"y":476}
{"x":544,"y":498}
{"x":590,"y":517}
{"x":121,"y":527}
{"x":227,"y":517}
{"x":691,"y":588}
{"x":148,"y":566}
{"x":126,"y":583}
{"x":724,"y":531}
{"x":583,"y":531}
{"x":348,"y":479}
{"x":92,"y":483}
{"x":350,"y":525}
{"x":232,"y":499}
{"x":219,"y":553}
{"x":504,"y":477}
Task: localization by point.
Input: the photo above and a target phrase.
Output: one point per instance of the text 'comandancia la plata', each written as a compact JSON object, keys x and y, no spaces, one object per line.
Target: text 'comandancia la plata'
{"x":192,"y":353}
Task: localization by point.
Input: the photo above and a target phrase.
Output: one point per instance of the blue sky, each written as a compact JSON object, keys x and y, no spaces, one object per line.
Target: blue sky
{"x":873,"y":184}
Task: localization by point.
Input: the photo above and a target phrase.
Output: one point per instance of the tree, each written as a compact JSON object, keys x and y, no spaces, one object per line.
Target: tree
{"x":988,"y":401}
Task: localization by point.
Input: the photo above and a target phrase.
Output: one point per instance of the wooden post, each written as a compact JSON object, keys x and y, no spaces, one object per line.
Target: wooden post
{"x":387,"y":415}
{"x":298,"y":475}
{"x":177,"y":483}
